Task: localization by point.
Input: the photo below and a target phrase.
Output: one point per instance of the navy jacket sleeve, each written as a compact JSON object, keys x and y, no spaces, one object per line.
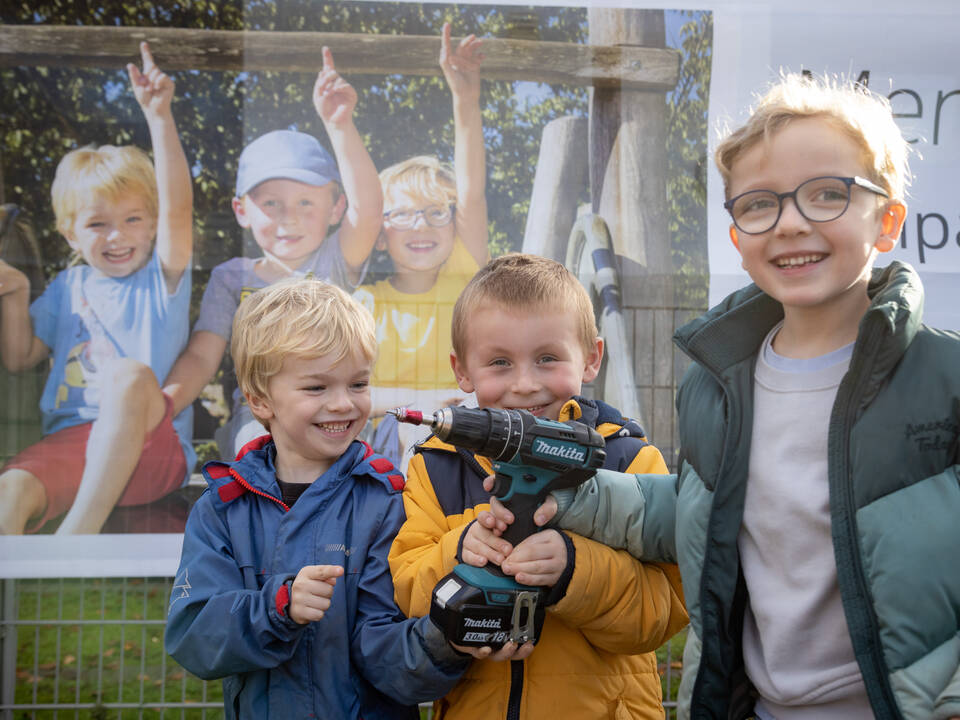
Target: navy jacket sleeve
{"x":405,"y":659}
{"x":218,"y":622}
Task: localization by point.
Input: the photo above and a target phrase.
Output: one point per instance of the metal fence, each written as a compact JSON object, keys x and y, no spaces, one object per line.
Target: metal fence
{"x":93,"y":648}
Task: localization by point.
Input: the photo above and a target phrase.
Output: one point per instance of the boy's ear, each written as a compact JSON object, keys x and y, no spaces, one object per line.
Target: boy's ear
{"x":339,"y":208}
{"x":734,"y":238}
{"x":259,"y":406}
{"x":592,"y":361}
{"x":460,"y":373}
{"x":240,"y":212}
{"x":890,"y":226}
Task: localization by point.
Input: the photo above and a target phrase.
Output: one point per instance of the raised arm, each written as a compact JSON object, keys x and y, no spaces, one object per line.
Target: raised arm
{"x":194,"y":368}
{"x":335,"y":99}
{"x":20,"y":348}
{"x":154,"y":92}
{"x":461,"y":68}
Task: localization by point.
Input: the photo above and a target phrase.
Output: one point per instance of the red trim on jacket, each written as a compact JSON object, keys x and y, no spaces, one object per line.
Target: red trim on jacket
{"x":282,"y":600}
{"x":381,"y":465}
{"x":256,"y":444}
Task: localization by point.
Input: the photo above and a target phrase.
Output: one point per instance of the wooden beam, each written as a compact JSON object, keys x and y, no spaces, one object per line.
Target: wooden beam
{"x":355,"y":53}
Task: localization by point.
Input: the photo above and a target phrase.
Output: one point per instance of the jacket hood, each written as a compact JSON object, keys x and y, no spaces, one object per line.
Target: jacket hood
{"x":254,"y":470}
{"x":747,"y":315}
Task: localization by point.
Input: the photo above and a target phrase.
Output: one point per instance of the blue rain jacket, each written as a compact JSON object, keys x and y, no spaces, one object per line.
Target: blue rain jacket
{"x":228,"y":616}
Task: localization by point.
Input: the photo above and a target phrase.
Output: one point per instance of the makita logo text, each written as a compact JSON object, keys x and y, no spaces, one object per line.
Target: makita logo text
{"x":567,"y":453}
{"x":491,"y":623}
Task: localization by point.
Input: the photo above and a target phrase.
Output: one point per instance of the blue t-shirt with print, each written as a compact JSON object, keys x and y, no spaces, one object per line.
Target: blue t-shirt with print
{"x":87,"y":318}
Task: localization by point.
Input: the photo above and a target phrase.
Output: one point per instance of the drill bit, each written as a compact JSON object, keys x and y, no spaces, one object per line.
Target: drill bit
{"x":413,"y":417}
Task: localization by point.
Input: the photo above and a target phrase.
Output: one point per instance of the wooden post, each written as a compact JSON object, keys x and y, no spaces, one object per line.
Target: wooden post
{"x":559,"y":181}
{"x":628,"y":181}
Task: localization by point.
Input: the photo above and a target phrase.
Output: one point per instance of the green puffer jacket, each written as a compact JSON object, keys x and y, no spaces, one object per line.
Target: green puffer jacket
{"x":894,"y":475}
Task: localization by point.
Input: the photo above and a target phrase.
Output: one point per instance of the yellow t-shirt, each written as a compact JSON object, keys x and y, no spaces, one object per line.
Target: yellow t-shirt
{"x":413,"y":329}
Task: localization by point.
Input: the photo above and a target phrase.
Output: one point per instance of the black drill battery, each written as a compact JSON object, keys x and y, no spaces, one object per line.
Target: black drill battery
{"x":473,"y":611}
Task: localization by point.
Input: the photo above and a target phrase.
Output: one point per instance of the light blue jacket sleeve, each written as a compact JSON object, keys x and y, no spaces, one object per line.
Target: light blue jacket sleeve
{"x":406,"y":659}
{"x":947,"y":704}
{"x":636,"y":513}
{"x":216,"y":624}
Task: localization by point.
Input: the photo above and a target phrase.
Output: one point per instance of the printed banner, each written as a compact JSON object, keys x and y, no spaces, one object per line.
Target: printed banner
{"x":250,"y":112}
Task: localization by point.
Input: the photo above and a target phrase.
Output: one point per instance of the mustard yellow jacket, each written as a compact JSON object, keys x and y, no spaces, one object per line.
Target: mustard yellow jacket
{"x":595,"y":656}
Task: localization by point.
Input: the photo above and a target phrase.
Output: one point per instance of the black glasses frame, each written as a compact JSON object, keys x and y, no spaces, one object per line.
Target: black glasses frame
{"x":848,"y":181}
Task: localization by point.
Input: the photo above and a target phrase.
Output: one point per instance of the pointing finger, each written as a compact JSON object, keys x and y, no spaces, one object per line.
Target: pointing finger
{"x":324,"y":572}
{"x":327,"y":59}
{"x":147,"y":56}
{"x":445,"y":42}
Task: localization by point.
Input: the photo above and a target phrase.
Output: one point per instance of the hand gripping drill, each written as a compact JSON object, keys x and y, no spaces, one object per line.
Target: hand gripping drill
{"x":532,"y":456}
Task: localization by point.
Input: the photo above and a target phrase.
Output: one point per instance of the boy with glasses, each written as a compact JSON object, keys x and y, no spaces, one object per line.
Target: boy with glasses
{"x":815,"y":512}
{"x":435,"y":232}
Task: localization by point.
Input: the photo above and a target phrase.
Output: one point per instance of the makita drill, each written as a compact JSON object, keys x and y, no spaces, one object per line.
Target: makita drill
{"x":532,"y":456}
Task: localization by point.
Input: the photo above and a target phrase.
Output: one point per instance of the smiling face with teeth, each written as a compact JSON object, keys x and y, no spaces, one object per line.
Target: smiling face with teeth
{"x":114,"y":234}
{"x":817,"y":270}
{"x":419,"y":252}
{"x":525,"y":359}
{"x":315,"y":408}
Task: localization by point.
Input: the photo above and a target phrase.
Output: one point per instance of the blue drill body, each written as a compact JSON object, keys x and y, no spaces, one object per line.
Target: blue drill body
{"x":531,"y":457}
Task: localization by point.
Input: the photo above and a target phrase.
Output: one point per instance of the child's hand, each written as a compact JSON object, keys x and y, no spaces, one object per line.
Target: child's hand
{"x":311,"y":592}
{"x":499,"y":517}
{"x":481,"y":545}
{"x":152,"y":87}
{"x":12,"y":280}
{"x":461,"y":67}
{"x":509,"y":651}
{"x":539,"y":560}
{"x":333,"y":97}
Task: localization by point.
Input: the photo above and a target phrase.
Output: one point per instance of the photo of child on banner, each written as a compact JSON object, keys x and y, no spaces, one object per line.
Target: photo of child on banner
{"x":435,"y":233}
{"x":311,"y":214}
{"x":113,"y":326}
{"x":393,"y":199}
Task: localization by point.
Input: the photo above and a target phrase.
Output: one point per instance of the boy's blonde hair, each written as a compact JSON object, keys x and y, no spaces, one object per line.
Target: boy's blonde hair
{"x":862,"y":115}
{"x":519,"y":282}
{"x":303,"y":317}
{"x":106,"y":171}
{"x":422,"y":176}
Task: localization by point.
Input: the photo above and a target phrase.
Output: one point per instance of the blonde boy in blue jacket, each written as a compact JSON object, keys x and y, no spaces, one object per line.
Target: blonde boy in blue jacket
{"x":283,"y":588}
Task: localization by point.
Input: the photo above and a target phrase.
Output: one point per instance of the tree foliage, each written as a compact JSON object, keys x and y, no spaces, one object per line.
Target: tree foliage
{"x":49,"y":111}
{"x":687,"y":161}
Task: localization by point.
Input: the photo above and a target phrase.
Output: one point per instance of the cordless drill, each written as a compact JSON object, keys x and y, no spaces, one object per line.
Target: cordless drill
{"x":532,"y":456}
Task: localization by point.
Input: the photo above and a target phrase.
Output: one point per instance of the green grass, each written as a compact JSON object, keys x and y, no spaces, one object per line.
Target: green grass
{"x":670,"y":665}
{"x":70,"y":642}
{"x":66,"y":662}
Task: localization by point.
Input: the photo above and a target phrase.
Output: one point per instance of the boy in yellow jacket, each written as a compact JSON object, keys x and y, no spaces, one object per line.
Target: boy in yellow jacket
{"x":524,"y":337}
